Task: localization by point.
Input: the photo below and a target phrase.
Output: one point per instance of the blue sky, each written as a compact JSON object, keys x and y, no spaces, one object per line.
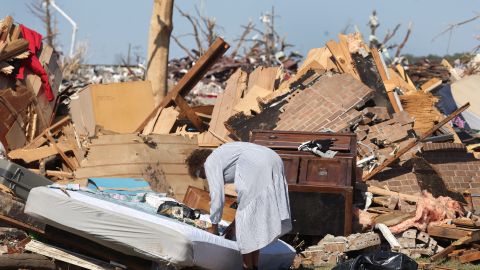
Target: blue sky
{"x":108,"y":26}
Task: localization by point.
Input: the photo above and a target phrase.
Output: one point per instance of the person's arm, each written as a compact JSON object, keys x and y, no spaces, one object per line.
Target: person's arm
{"x":214,"y":173}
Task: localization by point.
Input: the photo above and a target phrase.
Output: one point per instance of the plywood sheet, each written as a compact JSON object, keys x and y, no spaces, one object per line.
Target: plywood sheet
{"x":165,"y":121}
{"x":81,"y":113}
{"x":223,"y":109}
{"x":160,"y":159}
{"x":120,"y":107}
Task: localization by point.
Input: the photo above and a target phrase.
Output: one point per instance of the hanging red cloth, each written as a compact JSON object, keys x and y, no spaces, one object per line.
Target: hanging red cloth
{"x":32,"y":63}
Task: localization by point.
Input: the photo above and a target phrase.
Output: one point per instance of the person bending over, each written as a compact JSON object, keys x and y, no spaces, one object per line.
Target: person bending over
{"x":263,"y":213}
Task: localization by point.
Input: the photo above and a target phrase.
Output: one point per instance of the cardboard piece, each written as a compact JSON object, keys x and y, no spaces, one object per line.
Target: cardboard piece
{"x":116,"y":107}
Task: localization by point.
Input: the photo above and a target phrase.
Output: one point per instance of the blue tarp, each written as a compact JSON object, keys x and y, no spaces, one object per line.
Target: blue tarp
{"x":127,"y":186}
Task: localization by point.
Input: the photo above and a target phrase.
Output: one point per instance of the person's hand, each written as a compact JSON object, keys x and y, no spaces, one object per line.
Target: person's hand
{"x":213,"y":229}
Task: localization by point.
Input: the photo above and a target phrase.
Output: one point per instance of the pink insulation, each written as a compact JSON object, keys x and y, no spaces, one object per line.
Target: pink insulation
{"x":430,"y":210}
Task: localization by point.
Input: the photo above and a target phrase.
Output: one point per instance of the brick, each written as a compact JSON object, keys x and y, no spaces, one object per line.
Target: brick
{"x":406,"y":242}
{"x":423,"y":237}
{"x":335,"y":247}
{"x":411,"y":233}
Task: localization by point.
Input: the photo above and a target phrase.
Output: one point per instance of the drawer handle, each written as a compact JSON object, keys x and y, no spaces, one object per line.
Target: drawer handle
{"x":322,"y":172}
{"x":272,"y":137}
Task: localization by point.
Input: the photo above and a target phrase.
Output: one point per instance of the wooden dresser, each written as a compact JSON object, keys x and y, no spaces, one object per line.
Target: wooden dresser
{"x":320,"y":189}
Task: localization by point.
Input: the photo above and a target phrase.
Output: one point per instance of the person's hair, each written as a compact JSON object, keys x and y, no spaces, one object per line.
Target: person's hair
{"x":196,"y":160}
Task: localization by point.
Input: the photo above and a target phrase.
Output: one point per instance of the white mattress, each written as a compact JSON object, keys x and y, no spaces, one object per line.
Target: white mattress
{"x":150,"y":236}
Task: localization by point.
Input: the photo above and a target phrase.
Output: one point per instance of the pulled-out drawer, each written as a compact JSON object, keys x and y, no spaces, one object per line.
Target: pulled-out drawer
{"x":324,"y":171}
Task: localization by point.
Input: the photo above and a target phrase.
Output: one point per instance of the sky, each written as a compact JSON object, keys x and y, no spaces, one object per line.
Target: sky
{"x":109,"y":26}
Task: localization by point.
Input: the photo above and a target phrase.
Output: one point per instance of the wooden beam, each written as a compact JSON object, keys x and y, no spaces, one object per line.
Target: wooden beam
{"x":383,"y":75}
{"x":13,"y":49}
{"x":190,"y":113}
{"x":384,"y":192}
{"x":40,"y":139}
{"x":54,"y":173}
{"x":193,"y":76}
{"x":470,"y":257}
{"x":451,"y":231}
{"x":442,"y":254}
{"x":413,"y":143}
{"x":20,"y":225}
{"x":6,"y":26}
{"x":70,"y":165}
{"x":67,"y":256}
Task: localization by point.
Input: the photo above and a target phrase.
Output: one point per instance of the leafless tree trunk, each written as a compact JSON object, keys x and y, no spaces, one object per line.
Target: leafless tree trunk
{"x":41,"y":10}
{"x":158,"y":46}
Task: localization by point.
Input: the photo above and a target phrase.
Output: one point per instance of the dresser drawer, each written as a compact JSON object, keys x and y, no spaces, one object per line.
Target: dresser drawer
{"x":292,"y":165}
{"x":323,"y":171}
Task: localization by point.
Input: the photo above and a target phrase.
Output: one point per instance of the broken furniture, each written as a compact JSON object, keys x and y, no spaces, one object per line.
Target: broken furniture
{"x":200,"y":199}
{"x":320,"y":189}
{"x":19,"y":179}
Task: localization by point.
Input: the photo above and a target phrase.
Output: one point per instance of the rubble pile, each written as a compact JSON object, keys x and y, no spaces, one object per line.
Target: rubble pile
{"x":372,"y":164}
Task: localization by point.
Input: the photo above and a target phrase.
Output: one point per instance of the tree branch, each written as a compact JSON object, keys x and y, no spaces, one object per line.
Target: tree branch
{"x":195,"y":29}
{"x":400,"y":47}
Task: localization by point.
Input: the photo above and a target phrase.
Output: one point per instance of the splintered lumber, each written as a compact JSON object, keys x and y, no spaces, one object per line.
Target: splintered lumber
{"x":30,"y":155}
{"x":442,"y":254}
{"x":54,"y":173}
{"x":223,"y":109}
{"x":67,"y":256}
{"x":90,"y":248}
{"x":342,"y":57}
{"x":41,"y":139}
{"x":26,"y":261}
{"x":167,"y":119}
{"x":193,"y":76}
{"x":405,"y":76}
{"x":431,"y":84}
{"x":470,"y":257}
{"x":421,"y":106}
{"x":385,"y":78}
{"x":393,"y":218}
{"x":452,"y":231}
{"x":415,"y":142}
{"x":5,"y":29}
{"x":13,"y":49}
{"x":384,"y":192}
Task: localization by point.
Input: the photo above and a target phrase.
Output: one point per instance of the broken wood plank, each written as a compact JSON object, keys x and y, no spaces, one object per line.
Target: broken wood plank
{"x":405,"y":76}
{"x":393,"y":218}
{"x":54,"y":173}
{"x":7,"y":24}
{"x":340,"y":59}
{"x":223,"y":109}
{"x":67,"y":256}
{"x":166,"y":120}
{"x":26,"y":261}
{"x":13,"y":49}
{"x":54,"y":129}
{"x":30,"y":155}
{"x":442,"y":254}
{"x":385,"y":78}
{"x":67,"y":161}
{"x":193,"y":76}
{"x":249,"y":102}
{"x":384,"y":192}
{"x":469,"y":257}
{"x":431,"y":84}
{"x":451,"y":231}
{"x":415,"y":142}
{"x":191,"y":115}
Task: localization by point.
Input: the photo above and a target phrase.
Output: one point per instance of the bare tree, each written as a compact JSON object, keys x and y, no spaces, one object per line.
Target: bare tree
{"x":41,"y":9}
{"x":452,"y":27}
{"x":161,"y":27}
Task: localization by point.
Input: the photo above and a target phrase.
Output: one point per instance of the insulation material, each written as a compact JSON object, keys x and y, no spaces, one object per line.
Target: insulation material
{"x":430,"y":210}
